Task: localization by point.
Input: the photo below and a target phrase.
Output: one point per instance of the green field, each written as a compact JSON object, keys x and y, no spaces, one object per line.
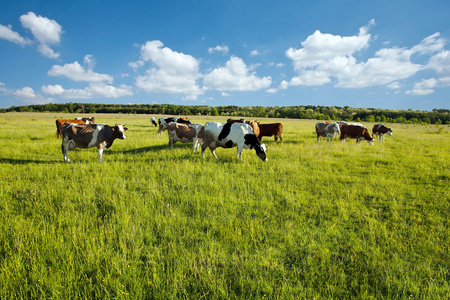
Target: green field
{"x":317,"y":221}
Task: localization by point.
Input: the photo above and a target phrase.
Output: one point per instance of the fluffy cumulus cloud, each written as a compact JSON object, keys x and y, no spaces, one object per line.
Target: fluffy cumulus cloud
{"x":7,"y":33}
{"x":47,"y":32}
{"x":169,"y":71}
{"x":77,"y":72}
{"x":28,"y":95}
{"x":235,"y":76}
{"x":99,"y":84}
{"x":326,"y":58}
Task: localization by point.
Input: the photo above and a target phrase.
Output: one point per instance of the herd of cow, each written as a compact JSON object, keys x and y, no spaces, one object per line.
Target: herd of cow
{"x":351,"y":130}
{"x":84,"y":133}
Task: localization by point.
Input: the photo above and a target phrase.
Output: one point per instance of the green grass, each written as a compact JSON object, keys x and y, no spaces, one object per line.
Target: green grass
{"x":317,"y":221}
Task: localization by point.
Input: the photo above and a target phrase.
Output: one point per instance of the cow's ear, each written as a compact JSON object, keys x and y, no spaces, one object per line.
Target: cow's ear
{"x":125,"y":128}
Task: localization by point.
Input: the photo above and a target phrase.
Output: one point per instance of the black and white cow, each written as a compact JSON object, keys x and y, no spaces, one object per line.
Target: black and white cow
{"x":229,"y":135}
{"x":90,"y":135}
{"x":380,"y":130}
{"x":327,"y":130}
{"x":164,"y":122}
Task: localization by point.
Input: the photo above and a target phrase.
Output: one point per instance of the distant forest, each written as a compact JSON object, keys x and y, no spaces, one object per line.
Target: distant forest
{"x":436,"y":116}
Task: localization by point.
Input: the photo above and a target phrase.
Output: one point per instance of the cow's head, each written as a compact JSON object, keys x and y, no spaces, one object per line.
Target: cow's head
{"x":389,"y":131}
{"x":119,"y":131}
{"x":336,"y":128}
{"x":253,"y":142}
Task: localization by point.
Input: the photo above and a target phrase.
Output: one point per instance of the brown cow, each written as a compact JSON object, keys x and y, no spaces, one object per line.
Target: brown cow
{"x":355,"y":132}
{"x":164,"y":122}
{"x":275,"y":129}
{"x":380,"y":130}
{"x":61,"y":122}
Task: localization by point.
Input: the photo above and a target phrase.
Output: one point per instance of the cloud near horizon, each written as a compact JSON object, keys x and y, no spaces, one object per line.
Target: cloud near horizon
{"x":327,"y":58}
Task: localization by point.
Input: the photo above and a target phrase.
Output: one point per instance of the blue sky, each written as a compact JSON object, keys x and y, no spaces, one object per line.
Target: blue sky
{"x":383,"y":54}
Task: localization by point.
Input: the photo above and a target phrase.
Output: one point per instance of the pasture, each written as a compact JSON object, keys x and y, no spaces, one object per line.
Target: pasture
{"x":317,"y":221}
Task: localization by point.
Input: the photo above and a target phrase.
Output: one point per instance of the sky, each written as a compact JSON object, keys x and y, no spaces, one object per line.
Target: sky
{"x":389,"y":54}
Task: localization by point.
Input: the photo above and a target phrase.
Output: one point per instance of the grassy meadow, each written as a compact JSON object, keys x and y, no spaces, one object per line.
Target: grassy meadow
{"x":317,"y":221}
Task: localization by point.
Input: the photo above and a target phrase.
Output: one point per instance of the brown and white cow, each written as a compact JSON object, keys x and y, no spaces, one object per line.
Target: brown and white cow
{"x":380,"y":130}
{"x":61,"y":122}
{"x":88,"y":120}
{"x":273,"y":129}
{"x":355,"y":132}
{"x":185,"y":133}
{"x":164,"y":122}
{"x":90,"y":135}
{"x":327,"y":130}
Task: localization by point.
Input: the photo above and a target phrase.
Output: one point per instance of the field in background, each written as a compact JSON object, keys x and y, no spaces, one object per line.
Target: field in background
{"x":317,"y":220}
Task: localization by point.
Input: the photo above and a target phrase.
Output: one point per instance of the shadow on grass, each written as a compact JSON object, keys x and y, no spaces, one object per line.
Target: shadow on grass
{"x":27,"y":161}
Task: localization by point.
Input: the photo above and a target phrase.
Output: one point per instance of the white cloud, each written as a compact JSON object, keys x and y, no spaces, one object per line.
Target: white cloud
{"x":53,"y":89}
{"x":7,"y":33}
{"x":171,"y":71}
{"x":223,"y":49}
{"x":94,"y":90}
{"x":3,"y":88}
{"x":254,"y":52}
{"x":76,"y":72}
{"x":28,"y":95}
{"x":394,"y":85}
{"x":47,"y":32}
{"x":325,"y":57}
{"x":235,"y":76}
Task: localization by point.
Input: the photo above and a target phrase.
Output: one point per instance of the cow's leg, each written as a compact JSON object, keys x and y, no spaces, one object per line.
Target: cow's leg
{"x":318,"y":138}
{"x":65,"y":148}
{"x":204,"y":146}
{"x":239,"y":151}
{"x":170,"y":142}
{"x":195,"y":140}
{"x":213,"y":151}
{"x":65,"y":151}
{"x":100,"y":154}
{"x":281,"y":138}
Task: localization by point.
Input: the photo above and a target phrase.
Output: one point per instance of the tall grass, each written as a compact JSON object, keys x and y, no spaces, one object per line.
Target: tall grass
{"x":317,"y":220}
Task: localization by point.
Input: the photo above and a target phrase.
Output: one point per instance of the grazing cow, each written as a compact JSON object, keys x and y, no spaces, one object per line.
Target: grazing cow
{"x":61,"y":122}
{"x":153,"y":121}
{"x":253,"y":124}
{"x":185,"y":133}
{"x":164,"y":122}
{"x":228,"y":135}
{"x":327,"y":130}
{"x":380,"y":130}
{"x":89,"y":120}
{"x":356,"y":132}
{"x":275,"y":129}
{"x":90,"y":135}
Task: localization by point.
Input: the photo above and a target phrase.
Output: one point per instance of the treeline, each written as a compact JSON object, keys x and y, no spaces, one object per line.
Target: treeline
{"x":436,"y":116}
